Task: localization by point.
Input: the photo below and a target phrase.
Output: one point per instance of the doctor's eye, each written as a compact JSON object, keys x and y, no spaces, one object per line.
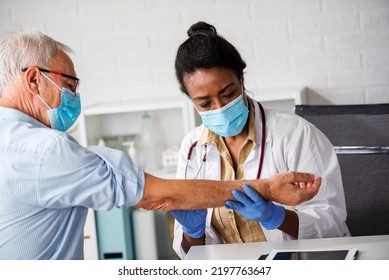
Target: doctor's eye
{"x":229,"y":95}
{"x":205,"y":105}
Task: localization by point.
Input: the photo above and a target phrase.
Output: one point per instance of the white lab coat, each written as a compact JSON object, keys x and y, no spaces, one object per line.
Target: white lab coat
{"x":292,"y":144}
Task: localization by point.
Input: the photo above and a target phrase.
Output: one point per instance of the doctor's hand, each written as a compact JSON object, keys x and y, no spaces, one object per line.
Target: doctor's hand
{"x":192,"y":221}
{"x":253,"y":207}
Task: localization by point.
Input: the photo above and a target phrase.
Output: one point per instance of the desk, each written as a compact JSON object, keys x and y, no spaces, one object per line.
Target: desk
{"x":370,"y":248}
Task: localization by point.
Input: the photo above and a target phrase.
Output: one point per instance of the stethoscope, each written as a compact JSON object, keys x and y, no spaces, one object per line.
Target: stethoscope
{"x":204,"y":159}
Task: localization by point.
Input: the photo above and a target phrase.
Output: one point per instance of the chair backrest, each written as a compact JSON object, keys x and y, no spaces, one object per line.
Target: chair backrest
{"x":360,"y":135}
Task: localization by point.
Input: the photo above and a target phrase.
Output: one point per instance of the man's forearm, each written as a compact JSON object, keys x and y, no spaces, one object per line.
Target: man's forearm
{"x":162,"y":194}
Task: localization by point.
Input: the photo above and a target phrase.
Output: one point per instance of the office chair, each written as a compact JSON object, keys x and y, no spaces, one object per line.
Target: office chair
{"x":360,"y":135}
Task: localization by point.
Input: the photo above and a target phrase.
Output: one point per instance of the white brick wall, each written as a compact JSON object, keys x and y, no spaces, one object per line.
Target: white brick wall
{"x":125,"y":49}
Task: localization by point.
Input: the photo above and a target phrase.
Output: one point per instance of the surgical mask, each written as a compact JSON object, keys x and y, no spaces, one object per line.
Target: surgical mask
{"x":66,"y":114}
{"x":227,"y":121}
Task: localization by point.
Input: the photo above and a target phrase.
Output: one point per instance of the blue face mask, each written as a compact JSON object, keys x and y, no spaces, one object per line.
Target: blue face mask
{"x":227,"y":121}
{"x":66,"y":114}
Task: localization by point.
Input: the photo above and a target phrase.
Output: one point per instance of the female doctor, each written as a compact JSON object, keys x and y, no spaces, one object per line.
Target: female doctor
{"x":240,"y":140}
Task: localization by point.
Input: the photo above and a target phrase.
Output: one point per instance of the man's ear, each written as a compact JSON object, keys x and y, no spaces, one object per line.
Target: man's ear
{"x":31,"y":80}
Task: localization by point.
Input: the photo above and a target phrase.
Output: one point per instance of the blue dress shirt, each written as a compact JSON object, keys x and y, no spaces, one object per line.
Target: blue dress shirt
{"x":47,"y":183}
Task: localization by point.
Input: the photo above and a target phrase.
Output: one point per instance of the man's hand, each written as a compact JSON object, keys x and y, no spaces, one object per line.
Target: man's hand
{"x":291,"y":188}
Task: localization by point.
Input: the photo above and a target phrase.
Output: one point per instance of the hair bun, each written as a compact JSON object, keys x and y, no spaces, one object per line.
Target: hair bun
{"x":201,"y":27}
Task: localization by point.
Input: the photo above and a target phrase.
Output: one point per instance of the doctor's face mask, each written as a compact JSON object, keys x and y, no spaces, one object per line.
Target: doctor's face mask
{"x":227,"y":121}
{"x":66,"y":114}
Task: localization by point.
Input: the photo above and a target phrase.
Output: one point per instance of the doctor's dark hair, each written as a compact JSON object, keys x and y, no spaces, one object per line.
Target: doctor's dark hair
{"x":205,"y":49}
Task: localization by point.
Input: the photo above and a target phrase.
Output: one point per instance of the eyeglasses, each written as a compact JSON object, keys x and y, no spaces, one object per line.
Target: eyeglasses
{"x":75,"y":79}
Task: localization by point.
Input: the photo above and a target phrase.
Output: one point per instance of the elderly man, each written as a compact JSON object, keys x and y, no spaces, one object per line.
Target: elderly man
{"x":48,"y":180}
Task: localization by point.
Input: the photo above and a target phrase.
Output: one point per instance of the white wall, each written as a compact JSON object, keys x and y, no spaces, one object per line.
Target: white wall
{"x":125,"y":49}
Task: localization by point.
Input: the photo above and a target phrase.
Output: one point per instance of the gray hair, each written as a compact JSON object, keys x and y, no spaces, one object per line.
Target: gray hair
{"x":21,"y":49}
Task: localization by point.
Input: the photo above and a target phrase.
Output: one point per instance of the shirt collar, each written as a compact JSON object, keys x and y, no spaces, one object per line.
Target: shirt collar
{"x":16,"y":115}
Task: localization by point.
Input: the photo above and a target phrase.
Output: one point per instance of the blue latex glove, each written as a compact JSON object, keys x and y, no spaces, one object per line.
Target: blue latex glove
{"x":192,"y":221}
{"x":253,"y":207}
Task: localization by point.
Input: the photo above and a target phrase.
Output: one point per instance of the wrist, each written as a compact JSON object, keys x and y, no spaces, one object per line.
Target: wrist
{"x":267,"y":190}
{"x":187,"y":242}
{"x":194,"y":241}
{"x":262,"y":186}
